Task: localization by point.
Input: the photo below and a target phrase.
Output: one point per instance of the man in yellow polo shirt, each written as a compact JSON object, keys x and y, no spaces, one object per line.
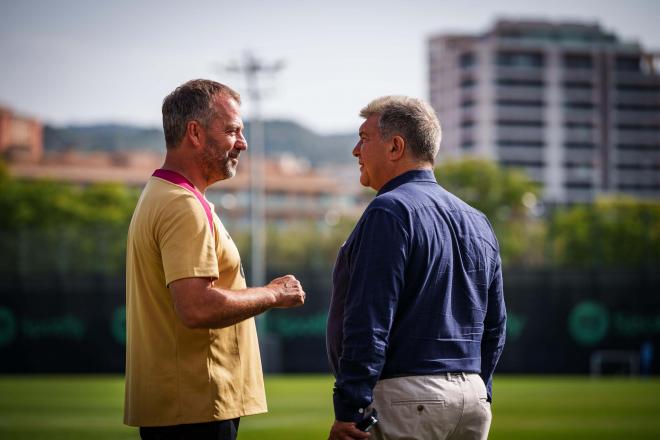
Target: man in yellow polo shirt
{"x":192,"y":358}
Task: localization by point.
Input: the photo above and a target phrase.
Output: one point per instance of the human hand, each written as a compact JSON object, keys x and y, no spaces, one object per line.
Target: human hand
{"x":346,"y":431}
{"x":288,"y":291}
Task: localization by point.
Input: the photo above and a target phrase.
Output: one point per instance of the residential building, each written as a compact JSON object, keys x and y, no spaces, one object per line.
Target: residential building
{"x":21,"y":137}
{"x":571,"y":103}
{"x":294,"y":192}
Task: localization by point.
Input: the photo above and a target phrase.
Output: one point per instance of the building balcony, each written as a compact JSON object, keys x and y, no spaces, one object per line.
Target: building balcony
{"x":519,"y":93}
{"x":636,"y":157}
{"x":520,"y":134}
{"x":638,"y":138}
{"x":579,"y":135}
{"x":579,"y":195}
{"x":645,"y":98}
{"x":579,"y":96}
{"x":637,"y":78}
{"x":579,"y":156}
{"x":580,"y":116}
{"x":527,"y":73}
{"x":633,"y":117}
{"x":579,"y":174}
{"x":522,"y":154}
{"x":520,"y":113}
{"x":645,"y":177}
{"x":581,"y":75}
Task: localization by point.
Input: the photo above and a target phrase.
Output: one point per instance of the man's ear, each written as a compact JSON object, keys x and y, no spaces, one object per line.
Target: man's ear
{"x":397,"y":149}
{"x":195,"y":133}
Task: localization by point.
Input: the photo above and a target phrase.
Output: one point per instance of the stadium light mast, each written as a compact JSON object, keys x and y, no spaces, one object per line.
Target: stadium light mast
{"x":252,"y":68}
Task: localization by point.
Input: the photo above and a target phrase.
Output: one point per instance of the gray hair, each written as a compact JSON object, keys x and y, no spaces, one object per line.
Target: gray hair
{"x":410,"y":118}
{"x":191,"y":101}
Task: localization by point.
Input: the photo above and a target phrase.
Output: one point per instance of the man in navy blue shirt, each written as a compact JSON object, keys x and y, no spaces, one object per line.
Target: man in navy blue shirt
{"x":417,"y":317}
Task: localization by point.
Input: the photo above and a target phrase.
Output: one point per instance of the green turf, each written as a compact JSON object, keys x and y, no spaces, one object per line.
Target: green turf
{"x":525,"y":407}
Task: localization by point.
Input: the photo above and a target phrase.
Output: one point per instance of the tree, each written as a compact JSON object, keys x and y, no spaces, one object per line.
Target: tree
{"x":55,"y":227}
{"x":619,"y":230}
{"x":507,"y":197}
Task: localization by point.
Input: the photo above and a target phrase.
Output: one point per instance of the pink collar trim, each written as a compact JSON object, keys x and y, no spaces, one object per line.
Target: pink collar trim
{"x":179,"y":180}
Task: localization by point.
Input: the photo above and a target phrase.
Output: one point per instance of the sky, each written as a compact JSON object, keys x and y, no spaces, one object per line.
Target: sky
{"x":84,"y":61}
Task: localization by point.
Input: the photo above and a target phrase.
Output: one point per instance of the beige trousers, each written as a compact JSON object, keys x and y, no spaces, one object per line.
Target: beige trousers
{"x":450,"y":406}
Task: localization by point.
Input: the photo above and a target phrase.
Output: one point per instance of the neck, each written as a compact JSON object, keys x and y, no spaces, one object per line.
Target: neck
{"x":187,"y":170}
{"x":404,"y":167}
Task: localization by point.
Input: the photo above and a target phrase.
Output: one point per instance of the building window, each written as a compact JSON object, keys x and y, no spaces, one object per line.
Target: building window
{"x":579,"y":105}
{"x":638,"y":107}
{"x":522,"y":163}
{"x":578,"y":85}
{"x":637,"y":87}
{"x":638,"y":187}
{"x":578,"y":125}
{"x":638,"y":127}
{"x":467,"y":82}
{"x":517,"y":103}
{"x":574,"y":61}
{"x":520,"y":82}
{"x":630,"y":63}
{"x":519,"y":59}
{"x":519,"y":124}
{"x":467,"y":59}
{"x":520,"y":144}
{"x":638,"y":166}
{"x":638,"y":147}
{"x":578,"y":185}
{"x":581,"y":166}
{"x":579,"y":145}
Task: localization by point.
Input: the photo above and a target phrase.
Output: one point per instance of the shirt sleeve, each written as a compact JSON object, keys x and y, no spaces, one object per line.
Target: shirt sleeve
{"x":492,"y":342}
{"x":376,"y":270}
{"x":186,"y":241}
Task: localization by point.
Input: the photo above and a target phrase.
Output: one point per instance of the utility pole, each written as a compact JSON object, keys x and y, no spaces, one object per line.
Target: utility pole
{"x":253,"y":67}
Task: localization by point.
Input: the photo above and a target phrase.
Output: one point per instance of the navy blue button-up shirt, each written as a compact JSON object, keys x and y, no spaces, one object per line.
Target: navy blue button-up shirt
{"x":417,"y":290}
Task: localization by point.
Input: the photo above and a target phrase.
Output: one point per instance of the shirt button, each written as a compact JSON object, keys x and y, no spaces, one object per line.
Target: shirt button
{"x":420,"y":408}
{"x":361,"y":410}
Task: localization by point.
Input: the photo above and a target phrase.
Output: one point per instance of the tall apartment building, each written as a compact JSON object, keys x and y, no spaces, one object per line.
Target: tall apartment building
{"x":572,"y":104}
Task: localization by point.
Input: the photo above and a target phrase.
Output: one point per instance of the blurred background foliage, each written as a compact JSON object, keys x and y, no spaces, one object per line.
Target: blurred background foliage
{"x":47,"y":225}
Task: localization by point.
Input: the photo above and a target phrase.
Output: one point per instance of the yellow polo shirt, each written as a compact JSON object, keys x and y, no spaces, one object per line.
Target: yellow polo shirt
{"x":175,"y":375}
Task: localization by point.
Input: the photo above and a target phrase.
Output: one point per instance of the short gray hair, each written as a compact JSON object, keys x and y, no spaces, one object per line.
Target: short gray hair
{"x":410,"y":118}
{"x":191,"y":101}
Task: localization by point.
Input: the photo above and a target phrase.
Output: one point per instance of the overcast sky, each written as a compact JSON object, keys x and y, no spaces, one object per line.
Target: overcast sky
{"x":83,"y":61}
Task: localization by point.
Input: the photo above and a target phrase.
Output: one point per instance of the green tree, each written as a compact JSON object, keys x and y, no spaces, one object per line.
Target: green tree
{"x":612,"y":231}
{"x":49,"y":226}
{"x":507,"y":197}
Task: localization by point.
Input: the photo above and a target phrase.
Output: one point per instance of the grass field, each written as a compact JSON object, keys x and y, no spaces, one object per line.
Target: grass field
{"x":525,"y":407}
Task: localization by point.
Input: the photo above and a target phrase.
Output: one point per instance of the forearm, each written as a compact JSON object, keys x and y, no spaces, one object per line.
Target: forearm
{"x":218,"y":308}
{"x":200,"y":305}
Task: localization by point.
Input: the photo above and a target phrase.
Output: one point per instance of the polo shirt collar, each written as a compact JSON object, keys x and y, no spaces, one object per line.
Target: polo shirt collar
{"x":408,"y":176}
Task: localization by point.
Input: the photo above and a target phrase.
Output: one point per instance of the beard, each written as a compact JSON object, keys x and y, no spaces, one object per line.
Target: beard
{"x":216,"y":162}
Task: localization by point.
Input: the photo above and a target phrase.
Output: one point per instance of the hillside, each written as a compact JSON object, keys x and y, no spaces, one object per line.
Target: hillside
{"x":281,"y":136}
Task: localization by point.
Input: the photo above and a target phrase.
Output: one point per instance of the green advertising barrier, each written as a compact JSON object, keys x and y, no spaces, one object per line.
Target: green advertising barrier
{"x":7,"y":326}
{"x":556,"y":321}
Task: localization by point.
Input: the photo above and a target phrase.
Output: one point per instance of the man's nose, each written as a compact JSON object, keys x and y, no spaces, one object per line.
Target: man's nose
{"x":356,"y":149}
{"x":241,"y":143}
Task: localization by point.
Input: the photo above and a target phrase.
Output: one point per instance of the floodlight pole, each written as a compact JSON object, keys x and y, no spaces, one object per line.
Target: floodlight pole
{"x":252,"y":67}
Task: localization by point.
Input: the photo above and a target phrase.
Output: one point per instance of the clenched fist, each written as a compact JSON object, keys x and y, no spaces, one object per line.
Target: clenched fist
{"x":288,"y":291}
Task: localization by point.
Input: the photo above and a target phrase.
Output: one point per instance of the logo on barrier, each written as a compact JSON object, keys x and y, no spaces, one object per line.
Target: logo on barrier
{"x":588,"y":322}
{"x":7,"y":326}
{"x":118,"y":324}
{"x":515,"y":324}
